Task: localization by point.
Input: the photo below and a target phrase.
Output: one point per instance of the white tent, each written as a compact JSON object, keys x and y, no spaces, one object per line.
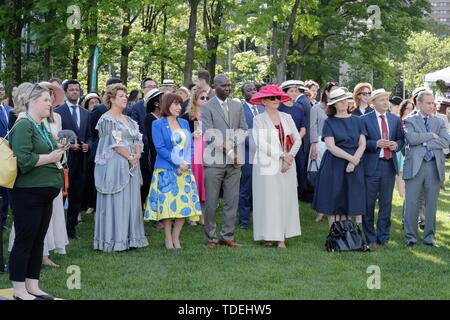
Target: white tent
{"x":444,"y":74}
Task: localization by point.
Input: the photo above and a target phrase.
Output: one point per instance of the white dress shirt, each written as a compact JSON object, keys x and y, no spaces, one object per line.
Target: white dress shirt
{"x":77,"y":110}
{"x":381,"y":130}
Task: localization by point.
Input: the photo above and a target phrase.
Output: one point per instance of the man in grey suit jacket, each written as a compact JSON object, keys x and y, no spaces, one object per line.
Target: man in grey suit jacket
{"x":224,"y":128}
{"x":424,"y":167}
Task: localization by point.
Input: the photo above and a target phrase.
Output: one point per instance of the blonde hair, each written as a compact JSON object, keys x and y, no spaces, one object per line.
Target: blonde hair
{"x":358,"y":89}
{"x":193,"y":106}
{"x":111,"y":92}
{"x":21,"y":97}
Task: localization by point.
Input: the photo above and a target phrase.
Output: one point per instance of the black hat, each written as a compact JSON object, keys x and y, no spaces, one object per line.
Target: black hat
{"x":395,"y":100}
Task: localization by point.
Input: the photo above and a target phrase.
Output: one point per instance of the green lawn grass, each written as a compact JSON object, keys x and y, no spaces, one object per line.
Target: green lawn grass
{"x":303,"y":271}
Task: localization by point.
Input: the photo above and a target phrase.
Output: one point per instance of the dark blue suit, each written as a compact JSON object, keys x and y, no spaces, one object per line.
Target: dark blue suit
{"x":4,"y":191}
{"x":305,"y":105}
{"x":380,"y":176}
{"x":76,"y":161}
{"x":245,"y":191}
{"x":138,"y":114}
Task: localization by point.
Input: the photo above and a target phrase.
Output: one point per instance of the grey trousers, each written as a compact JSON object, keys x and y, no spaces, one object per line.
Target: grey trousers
{"x":228,"y":177}
{"x":427,"y":179}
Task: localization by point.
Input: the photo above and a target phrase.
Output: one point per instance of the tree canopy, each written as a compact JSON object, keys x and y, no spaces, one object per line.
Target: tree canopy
{"x":250,"y":40}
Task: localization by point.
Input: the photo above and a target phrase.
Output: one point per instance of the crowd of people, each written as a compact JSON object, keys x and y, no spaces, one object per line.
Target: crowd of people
{"x":169,"y":157}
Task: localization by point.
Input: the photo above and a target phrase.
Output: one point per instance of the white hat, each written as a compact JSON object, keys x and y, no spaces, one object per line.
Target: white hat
{"x":168,"y":82}
{"x":416,"y":91}
{"x":378,"y":93}
{"x":152,"y":94}
{"x":293,"y":84}
{"x":88,"y":97}
{"x":338,"y":95}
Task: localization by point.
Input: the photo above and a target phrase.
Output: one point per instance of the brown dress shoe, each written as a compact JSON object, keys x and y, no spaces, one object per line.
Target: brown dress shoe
{"x":212,"y":244}
{"x":229,"y":243}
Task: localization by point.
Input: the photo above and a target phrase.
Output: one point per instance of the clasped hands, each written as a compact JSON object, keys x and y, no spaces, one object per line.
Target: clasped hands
{"x":133,"y":161}
{"x":354,"y":161}
{"x":229,"y":149}
{"x":288,"y":159}
{"x":384,"y":143}
{"x":182,"y":168}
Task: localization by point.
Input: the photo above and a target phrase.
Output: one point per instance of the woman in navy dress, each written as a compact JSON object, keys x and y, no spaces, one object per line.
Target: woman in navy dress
{"x":340,"y":190}
{"x":298,"y":116}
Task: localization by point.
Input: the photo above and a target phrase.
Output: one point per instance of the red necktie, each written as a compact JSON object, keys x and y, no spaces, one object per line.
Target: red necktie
{"x":384,"y":135}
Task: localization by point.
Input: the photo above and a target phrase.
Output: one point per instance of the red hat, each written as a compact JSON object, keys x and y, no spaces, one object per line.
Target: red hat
{"x":270,"y":90}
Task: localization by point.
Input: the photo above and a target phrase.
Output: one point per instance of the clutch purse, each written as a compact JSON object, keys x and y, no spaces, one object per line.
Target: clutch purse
{"x":289,"y":142}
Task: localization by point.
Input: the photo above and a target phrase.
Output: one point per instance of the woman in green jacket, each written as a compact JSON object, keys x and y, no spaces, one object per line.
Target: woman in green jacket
{"x":39,"y":180}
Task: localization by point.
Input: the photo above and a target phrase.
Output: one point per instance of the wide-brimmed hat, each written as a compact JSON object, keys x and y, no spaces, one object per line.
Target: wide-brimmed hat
{"x":57,"y":92}
{"x":416,"y":91}
{"x":152,"y":94}
{"x":270,"y":90}
{"x":293,"y":84}
{"x":338,"y":95}
{"x":378,"y":93}
{"x":395,"y":100}
{"x":88,"y":97}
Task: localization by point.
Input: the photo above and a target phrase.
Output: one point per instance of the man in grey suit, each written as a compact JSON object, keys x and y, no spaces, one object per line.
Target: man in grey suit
{"x":424,"y":167}
{"x":224,"y":128}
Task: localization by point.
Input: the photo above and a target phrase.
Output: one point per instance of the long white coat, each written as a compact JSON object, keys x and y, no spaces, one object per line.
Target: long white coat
{"x":275,"y":206}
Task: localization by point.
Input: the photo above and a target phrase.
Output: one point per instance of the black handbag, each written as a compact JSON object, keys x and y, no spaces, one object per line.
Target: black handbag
{"x":345,"y":236}
{"x":311,"y":176}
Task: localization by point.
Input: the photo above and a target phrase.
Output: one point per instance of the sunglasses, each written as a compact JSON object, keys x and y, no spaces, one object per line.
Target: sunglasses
{"x":366,"y":93}
{"x":274,"y":98}
{"x":204,"y":98}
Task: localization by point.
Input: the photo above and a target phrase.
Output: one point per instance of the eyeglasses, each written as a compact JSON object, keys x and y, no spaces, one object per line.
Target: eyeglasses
{"x":274,"y":98}
{"x":366,"y":94}
{"x":204,"y":98}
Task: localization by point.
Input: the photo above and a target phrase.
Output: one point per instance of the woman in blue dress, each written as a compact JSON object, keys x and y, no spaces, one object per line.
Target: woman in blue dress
{"x":340,"y":191}
{"x":298,"y":116}
{"x":173,"y":196}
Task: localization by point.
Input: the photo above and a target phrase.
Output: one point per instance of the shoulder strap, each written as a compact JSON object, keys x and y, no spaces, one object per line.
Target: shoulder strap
{"x":10,"y":131}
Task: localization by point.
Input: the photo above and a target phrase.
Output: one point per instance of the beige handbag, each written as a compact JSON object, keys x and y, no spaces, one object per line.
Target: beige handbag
{"x":8,"y":163}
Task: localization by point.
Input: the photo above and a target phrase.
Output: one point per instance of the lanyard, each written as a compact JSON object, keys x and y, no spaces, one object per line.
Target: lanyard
{"x":43,"y":132}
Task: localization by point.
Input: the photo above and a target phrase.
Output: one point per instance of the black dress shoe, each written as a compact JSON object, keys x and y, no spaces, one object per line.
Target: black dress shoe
{"x":410,"y":244}
{"x":432,"y":244}
{"x":43,"y":297}
{"x":17,"y":298}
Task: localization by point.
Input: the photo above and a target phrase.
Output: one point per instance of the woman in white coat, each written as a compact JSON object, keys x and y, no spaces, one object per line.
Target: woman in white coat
{"x":275,"y":206}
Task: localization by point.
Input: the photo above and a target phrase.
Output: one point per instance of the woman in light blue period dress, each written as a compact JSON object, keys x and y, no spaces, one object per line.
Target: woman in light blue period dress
{"x":119,"y":223}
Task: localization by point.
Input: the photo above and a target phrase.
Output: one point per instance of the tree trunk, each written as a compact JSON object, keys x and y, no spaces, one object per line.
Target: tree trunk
{"x":212,"y":23}
{"x":92,"y":35}
{"x":189,"y":61}
{"x":46,"y":72}
{"x":75,"y":58}
{"x":124,"y":54}
{"x":281,"y":61}
{"x":298,"y":65}
{"x":163,"y":62}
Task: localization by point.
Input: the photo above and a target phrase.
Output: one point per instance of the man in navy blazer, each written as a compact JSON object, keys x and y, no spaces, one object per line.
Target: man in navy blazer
{"x":138,"y":113}
{"x":4,"y":119}
{"x":77,"y":119}
{"x":384,"y":137}
{"x":245,"y":190}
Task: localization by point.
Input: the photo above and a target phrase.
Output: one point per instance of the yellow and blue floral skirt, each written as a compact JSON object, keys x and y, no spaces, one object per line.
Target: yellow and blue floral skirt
{"x":172,"y":195}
